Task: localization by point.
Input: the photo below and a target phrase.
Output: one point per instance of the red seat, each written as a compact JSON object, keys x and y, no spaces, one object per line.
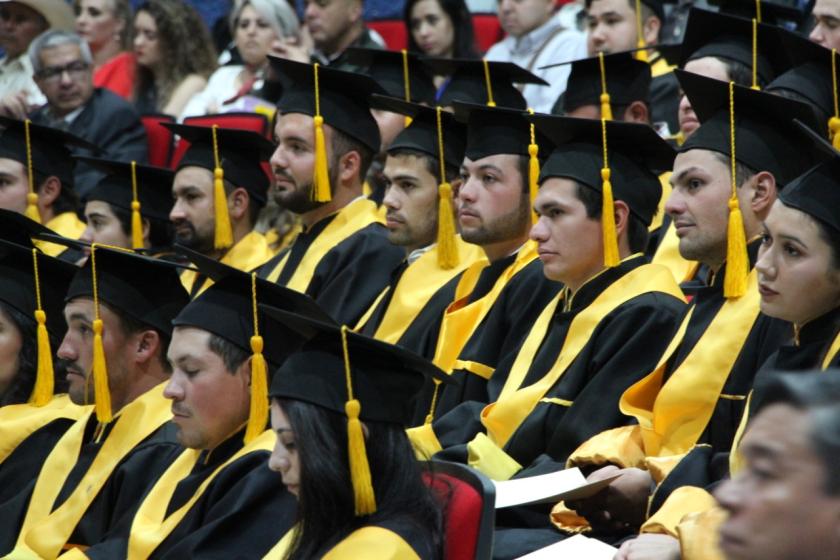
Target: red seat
{"x":469,"y":500}
{"x":159,"y":138}
{"x":392,"y":31}
{"x":488,"y":31}
{"x":255,"y":122}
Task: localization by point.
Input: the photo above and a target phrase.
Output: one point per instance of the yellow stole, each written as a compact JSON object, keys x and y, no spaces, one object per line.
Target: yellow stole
{"x":664,"y":182}
{"x":673,"y":416}
{"x":668,"y":255}
{"x":418,"y":284}
{"x":461,"y":318}
{"x":151,"y":526}
{"x":659,"y":66}
{"x":371,"y":543}
{"x":19,"y":421}
{"x":832,"y":352}
{"x":44,"y":531}
{"x":355,"y":216}
{"x":247,"y":254}
{"x":66,"y":224}
{"x":515,"y":403}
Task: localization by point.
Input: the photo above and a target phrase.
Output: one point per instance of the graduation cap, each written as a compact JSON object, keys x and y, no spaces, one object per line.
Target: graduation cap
{"x":812,"y":77}
{"x":142,"y":190}
{"x":817,"y":191}
{"x":229,"y":309}
{"x":146,"y":289}
{"x":434,"y":132}
{"x":751,"y":127}
{"x":39,"y":148}
{"x":482,"y":82}
{"x":658,"y":8}
{"x":711,"y":34}
{"x":765,"y":11}
{"x":19,"y":229}
{"x":400,"y":73}
{"x":606,"y":79}
{"x":35,"y":284}
{"x":349,"y":373}
{"x":333,"y":97}
{"x":620,"y":160}
{"x":232,"y":154}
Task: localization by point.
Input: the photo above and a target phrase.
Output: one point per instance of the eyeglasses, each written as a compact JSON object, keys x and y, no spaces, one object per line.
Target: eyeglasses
{"x":53,"y":73}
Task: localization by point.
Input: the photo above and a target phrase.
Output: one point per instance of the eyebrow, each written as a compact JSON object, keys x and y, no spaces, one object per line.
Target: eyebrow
{"x":282,"y":430}
{"x":294,"y":139}
{"x":78,"y":316}
{"x":792,"y":238}
{"x":543,"y":207}
{"x":187,"y":189}
{"x":681,"y":175}
{"x":486,"y":166}
{"x":403,"y":177}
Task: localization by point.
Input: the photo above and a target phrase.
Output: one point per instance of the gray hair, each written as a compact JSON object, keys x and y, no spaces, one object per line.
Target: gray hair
{"x":56,"y":38}
{"x":278,"y":13}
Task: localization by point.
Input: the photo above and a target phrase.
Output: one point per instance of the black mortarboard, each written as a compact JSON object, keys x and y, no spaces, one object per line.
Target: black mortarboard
{"x":637,"y":154}
{"x":627,"y":80}
{"x":125,"y":183}
{"x":342,"y":96}
{"x":19,"y":229}
{"x":469,"y":80}
{"x":768,"y":11}
{"x":731,"y":38}
{"x":494,"y":130}
{"x":389,"y":70}
{"x":764,"y":129}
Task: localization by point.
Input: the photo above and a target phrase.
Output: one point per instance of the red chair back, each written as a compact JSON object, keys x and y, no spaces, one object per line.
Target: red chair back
{"x":392,"y":31}
{"x":488,"y":31}
{"x":159,"y":138}
{"x":254,"y":122}
{"x":469,"y":500}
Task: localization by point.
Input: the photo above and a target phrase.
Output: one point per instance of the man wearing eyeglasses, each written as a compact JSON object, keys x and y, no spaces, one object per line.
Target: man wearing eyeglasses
{"x":63,"y":71}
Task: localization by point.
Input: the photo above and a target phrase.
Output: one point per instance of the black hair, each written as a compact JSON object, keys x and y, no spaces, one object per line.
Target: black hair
{"x":233,"y":356}
{"x":342,"y":143}
{"x":818,"y":394}
{"x":740,"y":73}
{"x":160,"y":232}
{"x":829,"y":235}
{"x":129,"y":326}
{"x":326,"y":511}
{"x":637,"y":231}
{"x":432,"y":163}
{"x":254,"y":205}
{"x":743,"y":173}
{"x":462,"y":27}
{"x":21,"y":387}
{"x":646,"y":10}
{"x":66,"y":201}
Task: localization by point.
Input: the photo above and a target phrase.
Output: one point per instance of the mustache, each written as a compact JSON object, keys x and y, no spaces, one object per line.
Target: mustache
{"x":69,"y":365}
{"x":178,"y":408}
{"x":281,"y":174}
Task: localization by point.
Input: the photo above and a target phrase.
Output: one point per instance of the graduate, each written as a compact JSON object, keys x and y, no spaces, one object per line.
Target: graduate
{"x":219,"y":188}
{"x":504,"y":291}
{"x":726,"y":178}
{"x":482,"y":82}
{"x":420,"y":218}
{"x":37,"y":165}
{"x":109,"y":207}
{"x":338,"y":409}
{"x":326,"y":139}
{"x":118,"y":331}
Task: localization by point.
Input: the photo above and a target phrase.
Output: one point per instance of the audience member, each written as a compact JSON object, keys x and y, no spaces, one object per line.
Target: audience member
{"x":174,"y":53}
{"x":440,"y":28}
{"x":106,"y":26}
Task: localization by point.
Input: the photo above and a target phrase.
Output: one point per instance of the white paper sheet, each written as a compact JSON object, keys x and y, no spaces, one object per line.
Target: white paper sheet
{"x":576,"y":547}
{"x":569,"y":484}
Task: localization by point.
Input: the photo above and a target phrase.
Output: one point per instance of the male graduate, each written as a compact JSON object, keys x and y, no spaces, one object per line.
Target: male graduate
{"x":37,"y":172}
{"x":326,"y":139}
{"x":420,"y":218}
{"x":482,"y":82}
{"x":119,"y":310}
{"x":218,"y":497}
{"x":219,"y":188}
{"x":696,"y":394}
{"x":499,"y":294}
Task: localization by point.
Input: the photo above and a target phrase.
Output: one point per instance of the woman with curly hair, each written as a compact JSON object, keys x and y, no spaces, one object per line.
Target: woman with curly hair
{"x":174,"y":54}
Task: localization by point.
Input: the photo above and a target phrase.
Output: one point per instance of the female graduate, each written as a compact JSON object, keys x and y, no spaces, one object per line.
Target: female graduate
{"x":369,"y":501}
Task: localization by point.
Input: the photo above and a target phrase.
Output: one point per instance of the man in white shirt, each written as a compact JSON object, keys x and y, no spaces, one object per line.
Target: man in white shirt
{"x":535,"y":38}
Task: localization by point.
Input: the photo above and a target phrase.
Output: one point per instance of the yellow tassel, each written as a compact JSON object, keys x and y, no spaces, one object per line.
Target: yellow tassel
{"x":611,"y":257}
{"x":834,"y":129}
{"x":641,"y":54}
{"x":42,"y":393}
{"x":259,"y":391}
{"x":359,"y":469}
{"x":224,"y":230}
{"x":407,"y":121}
{"x":32,"y":211}
{"x":737,"y":264}
{"x":447,"y":248}
{"x":606,"y":110}
{"x":136,"y":226}
{"x":640,"y":34}
{"x":533,"y":176}
{"x":102,"y":395}
{"x":321,"y":190}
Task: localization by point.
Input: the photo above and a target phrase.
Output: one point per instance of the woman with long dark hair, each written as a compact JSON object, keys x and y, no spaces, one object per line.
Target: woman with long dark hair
{"x":359,"y":487}
{"x":440,"y":28}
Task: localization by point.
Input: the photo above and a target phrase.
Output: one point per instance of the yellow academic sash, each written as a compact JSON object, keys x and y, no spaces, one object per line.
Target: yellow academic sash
{"x":371,"y":543}
{"x":66,"y":224}
{"x":151,"y":526}
{"x":665,"y":183}
{"x":19,"y":421}
{"x":832,"y":352}
{"x":461,"y":319}
{"x":355,"y":216}
{"x":418,"y":284}
{"x":45,"y":532}
{"x":674,"y":415}
{"x":660,"y":66}
{"x":668,"y":255}
{"x":247,"y":254}
{"x":515,"y":402}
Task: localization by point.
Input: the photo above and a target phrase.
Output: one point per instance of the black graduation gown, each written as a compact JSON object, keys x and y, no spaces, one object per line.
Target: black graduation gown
{"x":501,"y":332}
{"x":350,"y":276}
{"x":245,"y":508}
